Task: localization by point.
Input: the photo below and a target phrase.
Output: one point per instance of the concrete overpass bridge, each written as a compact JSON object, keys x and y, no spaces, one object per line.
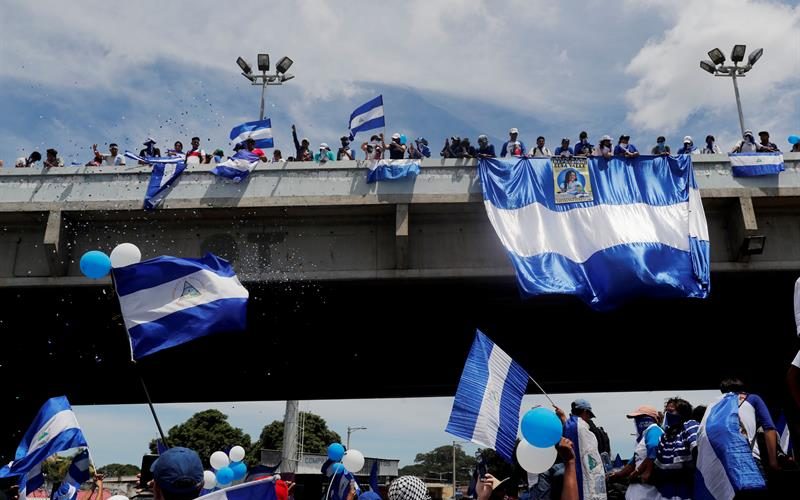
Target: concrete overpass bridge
{"x":385,"y":282}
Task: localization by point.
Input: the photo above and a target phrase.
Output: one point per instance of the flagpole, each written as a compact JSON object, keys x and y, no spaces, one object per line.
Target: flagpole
{"x":150,"y":403}
{"x":540,"y":388}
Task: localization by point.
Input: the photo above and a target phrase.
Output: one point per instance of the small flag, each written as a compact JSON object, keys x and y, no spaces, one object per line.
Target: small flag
{"x":373,"y":477}
{"x":391,"y":170}
{"x":260,"y":131}
{"x":725,"y":463}
{"x":238,"y":166}
{"x":755,"y":164}
{"x":489,"y":397}
{"x":263,"y":489}
{"x":54,"y":429}
{"x":368,"y":116}
{"x":168,"y":301}
{"x":166,"y":171}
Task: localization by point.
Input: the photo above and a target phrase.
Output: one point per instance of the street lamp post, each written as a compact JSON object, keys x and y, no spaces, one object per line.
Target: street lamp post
{"x":266,"y":78}
{"x":351,"y":430}
{"x":716,"y":66}
{"x":454,"y":465}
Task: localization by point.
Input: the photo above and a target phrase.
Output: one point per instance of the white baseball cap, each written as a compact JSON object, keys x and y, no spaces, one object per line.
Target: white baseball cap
{"x":395,"y":136}
{"x":513,"y":131}
{"x":688,"y":138}
{"x":323,"y":145}
{"x":606,"y":138}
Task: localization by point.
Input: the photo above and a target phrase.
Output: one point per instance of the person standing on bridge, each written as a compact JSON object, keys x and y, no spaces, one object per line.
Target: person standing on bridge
{"x":711,"y":147}
{"x":513,"y":147}
{"x":345,"y":152}
{"x":113,"y":158}
{"x":250,"y":144}
{"x":302,"y":151}
{"x":747,"y":144}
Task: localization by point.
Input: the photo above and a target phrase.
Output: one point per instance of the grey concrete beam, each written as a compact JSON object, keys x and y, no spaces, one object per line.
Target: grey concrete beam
{"x":742,"y":228}
{"x":401,"y":236}
{"x":54,"y":246}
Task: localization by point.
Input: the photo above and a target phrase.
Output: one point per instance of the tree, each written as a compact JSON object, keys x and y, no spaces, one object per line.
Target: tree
{"x":206,"y":432}
{"x":119,"y":470}
{"x":438,"y":464}
{"x":316,"y":435}
{"x":55,"y":467}
{"x":499,"y":468}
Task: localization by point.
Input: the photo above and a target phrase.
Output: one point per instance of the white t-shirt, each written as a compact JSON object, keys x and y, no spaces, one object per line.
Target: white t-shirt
{"x":111,"y":161}
{"x":540,"y":153}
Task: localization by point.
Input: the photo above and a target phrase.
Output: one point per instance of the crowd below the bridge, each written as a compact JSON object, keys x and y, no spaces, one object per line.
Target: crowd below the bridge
{"x":399,"y":148}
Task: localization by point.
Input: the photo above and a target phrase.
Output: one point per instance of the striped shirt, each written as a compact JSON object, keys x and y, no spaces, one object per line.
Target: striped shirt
{"x":676,"y":449}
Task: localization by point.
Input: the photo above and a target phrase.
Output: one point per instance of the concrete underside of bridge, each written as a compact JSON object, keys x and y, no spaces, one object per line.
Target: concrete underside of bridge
{"x":398,"y":338}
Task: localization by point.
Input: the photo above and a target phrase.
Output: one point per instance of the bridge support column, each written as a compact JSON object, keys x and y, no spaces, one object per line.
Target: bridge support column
{"x":57,"y":257}
{"x":745,"y":238}
{"x":401,"y":236}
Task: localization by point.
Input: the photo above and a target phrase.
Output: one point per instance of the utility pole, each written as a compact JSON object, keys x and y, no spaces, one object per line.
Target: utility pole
{"x":351,"y":430}
{"x":289,"y":453}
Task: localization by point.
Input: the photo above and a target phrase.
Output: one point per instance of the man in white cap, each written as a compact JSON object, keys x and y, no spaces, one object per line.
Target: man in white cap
{"x":688,"y":147}
{"x":150,"y":150}
{"x":747,"y":144}
{"x":324,"y":154}
{"x":604,"y":148}
{"x":513,"y":147}
{"x":397,"y":150}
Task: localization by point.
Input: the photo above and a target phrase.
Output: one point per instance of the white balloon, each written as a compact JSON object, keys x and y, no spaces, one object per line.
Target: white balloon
{"x":236,"y":454}
{"x":118,"y":497}
{"x":219,"y":460}
{"x":209,"y":480}
{"x":125,"y":254}
{"x":353,"y":460}
{"x":533,"y":459}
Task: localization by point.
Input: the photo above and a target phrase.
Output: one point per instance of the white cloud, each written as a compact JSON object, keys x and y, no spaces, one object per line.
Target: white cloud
{"x":671,"y":90}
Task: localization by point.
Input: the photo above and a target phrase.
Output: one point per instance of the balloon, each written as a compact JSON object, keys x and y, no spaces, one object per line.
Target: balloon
{"x":209,"y":480}
{"x":339,"y":468}
{"x":118,"y":497}
{"x":125,"y":254}
{"x":541,"y":427}
{"x":239,"y":470}
{"x":224,"y":476}
{"x":535,"y":460}
{"x":95,"y":264}
{"x":353,"y":460}
{"x":219,"y":460}
{"x":335,"y":452}
{"x":793,"y":139}
{"x":403,"y":139}
{"x":236,"y":454}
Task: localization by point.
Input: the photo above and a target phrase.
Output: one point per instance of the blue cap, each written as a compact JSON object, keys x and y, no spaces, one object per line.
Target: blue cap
{"x":178,"y":470}
{"x":582,"y":404}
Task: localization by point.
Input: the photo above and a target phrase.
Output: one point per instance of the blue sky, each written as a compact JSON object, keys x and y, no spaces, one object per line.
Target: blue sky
{"x":92,"y":71}
{"x":396,"y":428}
{"x":78,"y":73}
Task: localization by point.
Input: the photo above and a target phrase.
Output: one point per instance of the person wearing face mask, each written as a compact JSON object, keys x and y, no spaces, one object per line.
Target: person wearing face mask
{"x":624,"y":148}
{"x":485,"y":150}
{"x":345,"y":152}
{"x":397,"y":150}
{"x":583,"y":147}
{"x":640,"y":469}
{"x":661,"y":148}
{"x":747,"y":144}
{"x":688,"y":147}
{"x":676,"y":456}
{"x":604,"y":148}
{"x":711,"y":147}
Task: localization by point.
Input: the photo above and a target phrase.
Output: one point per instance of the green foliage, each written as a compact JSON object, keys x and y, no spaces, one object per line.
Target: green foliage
{"x":206,"y":432}
{"x":316,"y":436}
{"x":438,"y":463}
{"x":118,"y":470}
{"x":55,"y":467}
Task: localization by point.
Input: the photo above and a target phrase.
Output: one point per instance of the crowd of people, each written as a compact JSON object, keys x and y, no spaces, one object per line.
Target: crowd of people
{"x":399,"y":148}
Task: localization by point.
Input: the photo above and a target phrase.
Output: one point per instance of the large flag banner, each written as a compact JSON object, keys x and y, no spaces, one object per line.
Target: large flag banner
{"x":340,"y":482}
{"x":488,"y":400}
{"x":725,"y":463}
{"x":591,"y":473}
{"x":166,"y":171}
{"x":368,"y":116}
{"x":259,"y":130}
{"x":262,"y":489}
{"x":641,"y":233}
{"x":391,"y":170}
{"x":238,"y":166}
{"x":54,"y":429}
{"x":168,"y":301}
{"x":756,"y":164}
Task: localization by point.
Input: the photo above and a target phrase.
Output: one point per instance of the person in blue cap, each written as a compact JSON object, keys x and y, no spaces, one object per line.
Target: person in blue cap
{"x":177,"y":475}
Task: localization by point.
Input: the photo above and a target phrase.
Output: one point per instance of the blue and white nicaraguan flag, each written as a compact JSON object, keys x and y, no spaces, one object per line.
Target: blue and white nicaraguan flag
{"x":368,"y":116}
{"x":166,"y":171}
{"x":259,"y":130}
{"x":54,"y":429}
{"x":391,"y":170}
{"x":589,"y":469}
{"x":725,"y":463}
{"x":262,"y":489}
{"x":31,"y":481}
{"x":488,"y":400}
{"x":756,"y":164}
{"x":604,"y":230}
{"x":168,"y":301}
{"x":238,"y":166}
{"x":340,"y":482}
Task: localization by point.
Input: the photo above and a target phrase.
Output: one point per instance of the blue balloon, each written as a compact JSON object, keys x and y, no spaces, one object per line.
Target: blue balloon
{"x":336,"y":452}
{"x":339,"y":468}
{"x":239,"y":470}
{"x":794,"y":139}
{"x":403,"y":139}
{"x":95,"y":264}
{"x":225,"y":475}
{"x":541,"y":427}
